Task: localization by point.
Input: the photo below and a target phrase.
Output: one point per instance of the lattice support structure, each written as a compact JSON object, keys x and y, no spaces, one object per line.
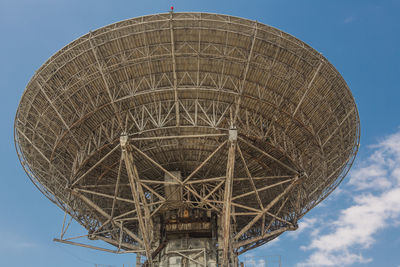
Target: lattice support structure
{"x":186,"y":126}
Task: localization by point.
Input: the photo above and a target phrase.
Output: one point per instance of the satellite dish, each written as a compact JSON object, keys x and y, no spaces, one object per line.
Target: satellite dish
{"x":187,"y":137}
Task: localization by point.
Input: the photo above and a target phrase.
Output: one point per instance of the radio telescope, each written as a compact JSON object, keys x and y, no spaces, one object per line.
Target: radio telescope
{"x":187,"y":138}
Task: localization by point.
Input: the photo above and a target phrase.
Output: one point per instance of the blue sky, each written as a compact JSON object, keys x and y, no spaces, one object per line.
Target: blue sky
{"x":358,"y":225}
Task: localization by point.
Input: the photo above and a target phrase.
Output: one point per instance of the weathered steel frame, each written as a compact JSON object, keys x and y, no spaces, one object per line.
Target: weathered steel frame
{"x":300,"y":138}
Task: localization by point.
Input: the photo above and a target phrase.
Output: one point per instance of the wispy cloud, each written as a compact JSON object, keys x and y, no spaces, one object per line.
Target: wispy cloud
{"x":375,"y":206}
{"x":306,"y":223}
{"x":251,"y":260}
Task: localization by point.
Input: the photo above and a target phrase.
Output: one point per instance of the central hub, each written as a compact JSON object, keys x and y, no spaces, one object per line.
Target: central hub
{"x":187,"y":235}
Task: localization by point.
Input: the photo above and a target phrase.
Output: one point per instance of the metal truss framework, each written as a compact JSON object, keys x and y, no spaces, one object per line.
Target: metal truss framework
{"x":107,"y":116}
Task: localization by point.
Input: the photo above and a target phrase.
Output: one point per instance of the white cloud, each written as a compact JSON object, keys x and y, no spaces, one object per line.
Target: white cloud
{"x":251,"y":260}
{"x":375,"y":206}
{"x":370,"y":177}
{"x":254,"y":262}
{"x":304,"y":224}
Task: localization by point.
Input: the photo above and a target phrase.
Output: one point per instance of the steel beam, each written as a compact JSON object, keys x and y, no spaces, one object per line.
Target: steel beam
{"x":250,"y":178}
{"x":226,"y":216}
{"x":176,"y":137}
{"x":136,"y":194}
{"x":104,"y":214}
{"x":267,"y":208}
{"x":195,"y":193}
{"x":269,"y":156}
{"x":103,"y":76}
{"x":94,"y":166}
{"x":171,"y":28}
{"x":245,"y":72}
{"x":308,"y":88}
{"x":266,"y":235}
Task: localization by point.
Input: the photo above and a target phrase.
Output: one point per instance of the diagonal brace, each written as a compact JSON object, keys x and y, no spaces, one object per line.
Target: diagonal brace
{"x":230,"y":167}
{"x":267,"y":208}
{"x":138,"y":197}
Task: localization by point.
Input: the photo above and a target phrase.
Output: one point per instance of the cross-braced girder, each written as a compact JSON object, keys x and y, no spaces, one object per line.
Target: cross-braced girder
{"x":174,"y":86}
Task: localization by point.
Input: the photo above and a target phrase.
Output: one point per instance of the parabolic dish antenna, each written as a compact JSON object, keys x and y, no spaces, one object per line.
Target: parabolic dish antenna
{"x":189,"y":138}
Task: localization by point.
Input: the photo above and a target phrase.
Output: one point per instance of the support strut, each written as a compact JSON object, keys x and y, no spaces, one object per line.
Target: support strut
{"x":230,"y":167}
